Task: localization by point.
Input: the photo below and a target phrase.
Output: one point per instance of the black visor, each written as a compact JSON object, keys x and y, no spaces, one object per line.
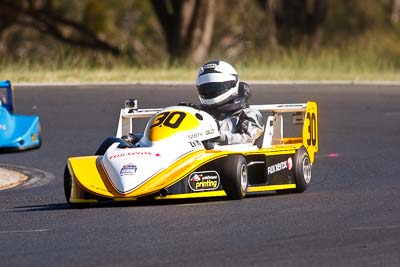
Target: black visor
{"x":212,"y":90}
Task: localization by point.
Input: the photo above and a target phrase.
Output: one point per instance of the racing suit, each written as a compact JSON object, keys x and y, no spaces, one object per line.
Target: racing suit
{"x":242,"y":126}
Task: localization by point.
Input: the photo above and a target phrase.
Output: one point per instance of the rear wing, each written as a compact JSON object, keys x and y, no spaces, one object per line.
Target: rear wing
{"x":303,"y":114}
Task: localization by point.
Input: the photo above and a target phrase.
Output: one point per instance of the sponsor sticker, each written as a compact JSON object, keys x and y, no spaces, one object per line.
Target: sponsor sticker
{"x":135,"y":153}
{"x":210,"y":66}
{"x":194,"y":135}
{"x":289,"y":164}
{"x":3,"y":127}
{"x":34,"y":137}
{"x":283,"y":165}
{"x":128,"y":169}
{"x":210,"y":131}
{"x":204,"y":181}
{"x":195,"y":143}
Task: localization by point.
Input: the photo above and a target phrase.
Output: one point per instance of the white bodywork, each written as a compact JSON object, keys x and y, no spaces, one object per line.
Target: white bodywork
{"x":127,"y":168}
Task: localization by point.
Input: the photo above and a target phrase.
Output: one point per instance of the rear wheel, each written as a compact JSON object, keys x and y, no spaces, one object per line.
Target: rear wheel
{"x":234,"y":177}
{"x":302,"y":170}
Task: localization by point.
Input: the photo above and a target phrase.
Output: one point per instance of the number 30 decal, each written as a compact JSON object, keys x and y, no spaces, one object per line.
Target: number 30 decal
{"x":312,"y":129}
{"x":169,"y":119}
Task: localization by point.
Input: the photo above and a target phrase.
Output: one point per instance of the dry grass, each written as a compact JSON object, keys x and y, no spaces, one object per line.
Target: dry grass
{"x":361,"y":59}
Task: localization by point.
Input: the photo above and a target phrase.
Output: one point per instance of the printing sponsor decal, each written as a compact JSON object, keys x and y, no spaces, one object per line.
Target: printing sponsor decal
{"x":204,"y":181}
{"x":128,"y":169}
{"x":3,"y":127}
{"x":135,"y":153}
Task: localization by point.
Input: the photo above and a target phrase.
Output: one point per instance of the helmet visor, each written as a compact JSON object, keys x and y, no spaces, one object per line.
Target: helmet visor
{"x":215,"y":89}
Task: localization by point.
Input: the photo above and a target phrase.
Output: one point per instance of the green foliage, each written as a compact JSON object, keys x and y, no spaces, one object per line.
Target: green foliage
{"x":358,"y":40}
{"x":95,"y":16}
{"x":350,"y":18}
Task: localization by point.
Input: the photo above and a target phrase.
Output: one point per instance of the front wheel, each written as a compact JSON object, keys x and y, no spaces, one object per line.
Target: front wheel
{"x":108,"y":142}
{"x":68,"y":190}
{"x":67,"y":184}
{"x":234,"y":177}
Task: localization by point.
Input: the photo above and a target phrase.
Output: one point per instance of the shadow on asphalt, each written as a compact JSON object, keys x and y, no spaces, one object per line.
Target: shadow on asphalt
{"x":47,"y":207}
{"x":147,"y":203}
{"x":138,"y":203}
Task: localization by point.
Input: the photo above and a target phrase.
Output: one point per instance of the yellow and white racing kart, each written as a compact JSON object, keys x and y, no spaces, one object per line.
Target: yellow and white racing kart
{"x":175,"y":157}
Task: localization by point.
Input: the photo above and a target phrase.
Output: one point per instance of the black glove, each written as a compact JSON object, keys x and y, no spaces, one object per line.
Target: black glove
{"x":243,"y":124}
{"x":130,"y":138}
{"x":186,"y":104}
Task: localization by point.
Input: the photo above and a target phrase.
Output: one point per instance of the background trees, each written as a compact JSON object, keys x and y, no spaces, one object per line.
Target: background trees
{"x":43,"y":17}
{"x":189,"y":31}
{"x":187,"y":27}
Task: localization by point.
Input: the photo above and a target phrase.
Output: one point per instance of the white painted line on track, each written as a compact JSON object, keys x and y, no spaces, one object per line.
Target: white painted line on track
{"x":383,"y":227}
{"x":258,"y":82}
{"x":25,"y":231}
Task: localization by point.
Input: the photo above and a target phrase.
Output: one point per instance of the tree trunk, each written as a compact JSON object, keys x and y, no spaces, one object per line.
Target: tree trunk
{"x":297,"y":21}
{"x":315,"y":22}
{"x":395,"y":10}
{"x":202,"y":31}
{"x":269,"y":7}
{"x":187,"y":26}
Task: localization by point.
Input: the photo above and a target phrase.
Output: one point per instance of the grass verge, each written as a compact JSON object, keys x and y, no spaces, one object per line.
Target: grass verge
{"x":278,"y":72}
{"x":365,"y":61}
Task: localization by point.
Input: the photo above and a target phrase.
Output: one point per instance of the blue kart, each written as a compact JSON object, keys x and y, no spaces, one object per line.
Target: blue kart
{"x":17,"y":132}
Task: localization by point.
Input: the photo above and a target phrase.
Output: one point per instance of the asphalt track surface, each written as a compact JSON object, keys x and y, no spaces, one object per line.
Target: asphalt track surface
{"x":350,"y":216}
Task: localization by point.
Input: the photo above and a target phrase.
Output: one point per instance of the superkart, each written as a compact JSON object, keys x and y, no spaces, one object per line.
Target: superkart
{"x":176,"y":158}
{"x":17,"y":132}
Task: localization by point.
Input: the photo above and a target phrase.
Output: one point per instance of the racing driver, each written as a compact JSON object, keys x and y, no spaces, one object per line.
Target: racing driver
{"x":226,"y":98}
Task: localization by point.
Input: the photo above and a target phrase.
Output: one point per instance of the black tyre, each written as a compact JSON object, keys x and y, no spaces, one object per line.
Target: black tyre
{"x":40,"y":135}
{"x":234,"y":177}
{"x":108,"y":142}
{"x":67,"y":184}
{"x":302,"y":170}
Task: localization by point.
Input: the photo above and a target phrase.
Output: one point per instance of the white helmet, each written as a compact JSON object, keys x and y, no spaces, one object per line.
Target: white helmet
{"x":217,"y":83}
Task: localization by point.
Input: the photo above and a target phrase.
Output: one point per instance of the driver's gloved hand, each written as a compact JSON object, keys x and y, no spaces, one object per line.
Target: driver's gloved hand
{"x":186,"y":104}
{"x":130,"y":138}
{"x":222,"y":139}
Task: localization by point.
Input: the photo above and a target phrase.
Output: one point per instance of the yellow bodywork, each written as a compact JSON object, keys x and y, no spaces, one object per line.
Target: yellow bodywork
{"x":88,"y":174}
{"x":159,"y":131}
